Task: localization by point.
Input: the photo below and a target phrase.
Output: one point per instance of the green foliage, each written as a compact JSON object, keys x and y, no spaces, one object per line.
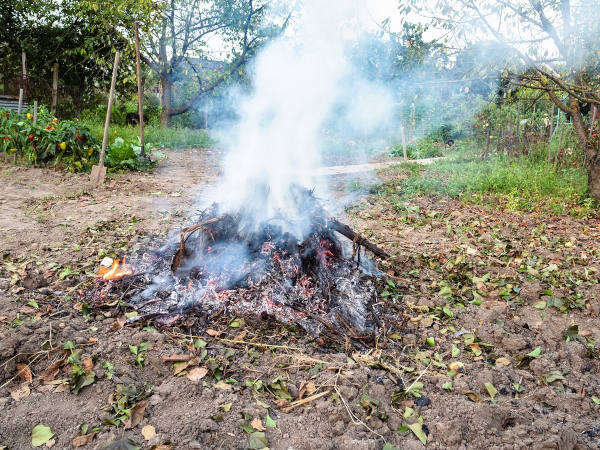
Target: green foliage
{"x":423,"y":148}
{"x":526,"y":182}
{"x":50,"y":142}
{"x":170,"y":138}
{"x":81,"y":36}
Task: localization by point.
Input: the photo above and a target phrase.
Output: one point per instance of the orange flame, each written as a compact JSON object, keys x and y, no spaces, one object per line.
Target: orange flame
{"x":117,"y":271}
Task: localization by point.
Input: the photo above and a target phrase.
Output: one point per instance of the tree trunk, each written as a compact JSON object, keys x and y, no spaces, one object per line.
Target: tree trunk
{"x":165,"y":100}
{"x":592,"y":158}
{"x":593,"y":169}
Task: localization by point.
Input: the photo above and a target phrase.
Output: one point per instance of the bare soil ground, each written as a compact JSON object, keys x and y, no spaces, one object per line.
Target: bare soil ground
{"x":483,"y":352}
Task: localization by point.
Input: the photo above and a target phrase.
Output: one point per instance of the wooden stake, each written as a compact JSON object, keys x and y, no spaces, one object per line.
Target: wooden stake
{"x":139,"y":86}
{"x":20,"y":107}
{"x":403,"y":142}
{"x":24,"y":60}
{"x":518,"y":133}
{"x":111,"y":94}
{"x":54,"y":89}
{"x":34,"y":112}
{"x":99,"y":172}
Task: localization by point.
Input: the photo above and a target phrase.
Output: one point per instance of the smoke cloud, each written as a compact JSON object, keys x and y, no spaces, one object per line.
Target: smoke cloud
{"x":300,"y":83}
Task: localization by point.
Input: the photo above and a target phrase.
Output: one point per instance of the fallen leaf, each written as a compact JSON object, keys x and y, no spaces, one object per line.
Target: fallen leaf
{"x":502,"y":361}
{"x":19,"y":392}
{"x":197,"y":373}
{"x":119,"y":323}
{"x":456,"y":366}
{"x":51,"y":371}
{"x":88,"y":364}
{"x":258,"y":440}
{"x":257,"y":424}
{"x":80,"y":441}
{"x":282,"y":403}
{"x":40,"y":435}
{"x":24,"y":373}
{"x":535,"y":352}
{"x":473,"y":396}
{"x":306,"y":389}
{"x":148,"y":432}
{"x":222,"y":385}
{"x":136,"y":415}
{"x":269,"y":422}
{"x":212,"y":332}
{"x":240,"y":337}
{"x":489,"y":387}
{"x":417,"y":429}
{"x":122,"y":444}
{"x":61,"y":388}
{"x":226,"y":407}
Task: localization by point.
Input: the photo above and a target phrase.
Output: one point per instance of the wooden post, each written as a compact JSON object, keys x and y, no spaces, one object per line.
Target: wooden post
{"x":24,"y":60}
{"x":109,"y":108}
{"x":487,"y":140}
{"x":518,"y":131}
{"x":139,"y":86}
{"x":20,"y":107}
{"x":54,"y":89}
{"x":34,"y":112}
{"x":403,"y":142}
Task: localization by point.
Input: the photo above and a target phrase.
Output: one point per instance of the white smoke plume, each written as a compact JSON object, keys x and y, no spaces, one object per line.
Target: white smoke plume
{"x":300,"y":82}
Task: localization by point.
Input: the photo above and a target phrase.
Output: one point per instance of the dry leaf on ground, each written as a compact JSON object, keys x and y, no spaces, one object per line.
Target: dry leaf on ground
{"x":257,"y":424}
{"x":137,"y":415}
{"x":197,"y":373}
{"x":148,"y":432}
{"x":24,"y":373}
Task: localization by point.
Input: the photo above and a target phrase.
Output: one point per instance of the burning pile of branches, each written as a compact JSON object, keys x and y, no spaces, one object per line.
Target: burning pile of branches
{"x":224,"y":264}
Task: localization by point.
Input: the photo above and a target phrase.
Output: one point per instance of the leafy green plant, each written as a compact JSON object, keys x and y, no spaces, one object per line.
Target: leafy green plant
{"x":49,"y":142}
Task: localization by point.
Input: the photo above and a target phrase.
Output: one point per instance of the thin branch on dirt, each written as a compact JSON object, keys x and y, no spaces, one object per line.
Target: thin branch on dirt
{"x":355,"y":420}
{"x":407,"y":390}
{"x":304,"y":401}
{"x":232,"y":341}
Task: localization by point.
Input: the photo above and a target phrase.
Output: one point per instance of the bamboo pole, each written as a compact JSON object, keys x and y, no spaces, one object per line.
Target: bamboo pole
{"x":113,"y":81}
{"x":24,"y":60}
{"x":518,"y":131}
{"x":140,"y":88}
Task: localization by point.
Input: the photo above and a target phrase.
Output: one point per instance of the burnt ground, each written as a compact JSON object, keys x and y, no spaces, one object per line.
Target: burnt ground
{"x":492,"y":343}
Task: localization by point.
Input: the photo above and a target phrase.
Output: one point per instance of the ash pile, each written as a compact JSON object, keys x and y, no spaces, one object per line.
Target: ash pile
{"x":225,"y":264}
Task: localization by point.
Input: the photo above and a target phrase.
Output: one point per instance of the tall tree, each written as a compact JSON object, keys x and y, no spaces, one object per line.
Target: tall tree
{"x":557,"y":43}
{"x":80,"y":35}
{"x":179,"y":44}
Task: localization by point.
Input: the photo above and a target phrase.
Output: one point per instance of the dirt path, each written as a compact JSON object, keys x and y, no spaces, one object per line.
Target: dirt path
{"x":474,"y":291}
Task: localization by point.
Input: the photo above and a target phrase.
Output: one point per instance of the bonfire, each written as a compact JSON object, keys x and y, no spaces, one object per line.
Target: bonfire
{"x":226,"y":264}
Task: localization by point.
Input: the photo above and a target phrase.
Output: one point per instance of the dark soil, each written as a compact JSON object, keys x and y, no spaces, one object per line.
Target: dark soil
{"x":486,"y":287}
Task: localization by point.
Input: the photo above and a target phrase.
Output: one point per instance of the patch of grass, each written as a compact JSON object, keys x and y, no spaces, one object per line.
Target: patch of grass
{"x":424,"y":148}
{"x":525,"y":183}
{"x":171,"y":138}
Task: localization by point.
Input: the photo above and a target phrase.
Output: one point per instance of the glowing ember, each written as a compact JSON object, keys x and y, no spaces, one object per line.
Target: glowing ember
{"x":117,"y":271}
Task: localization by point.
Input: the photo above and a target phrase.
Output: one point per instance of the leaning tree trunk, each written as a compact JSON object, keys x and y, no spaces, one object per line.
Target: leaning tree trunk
{"x":165,"y":100}
{"x":592,"y":156}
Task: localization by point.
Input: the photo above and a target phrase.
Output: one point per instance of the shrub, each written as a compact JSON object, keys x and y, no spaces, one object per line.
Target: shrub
{"x":49,"y":142}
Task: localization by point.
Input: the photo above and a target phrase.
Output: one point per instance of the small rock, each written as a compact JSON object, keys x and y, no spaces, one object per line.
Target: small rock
{"x":422,"y":401}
